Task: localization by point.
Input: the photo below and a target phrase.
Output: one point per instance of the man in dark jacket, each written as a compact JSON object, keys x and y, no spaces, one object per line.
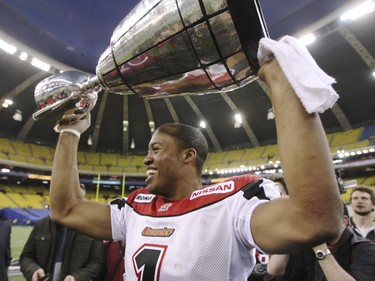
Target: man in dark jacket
{"x":5,"y":256}
{"x":349,"y":257}
{"x":114,"y":267}
{"x":61,"y":253}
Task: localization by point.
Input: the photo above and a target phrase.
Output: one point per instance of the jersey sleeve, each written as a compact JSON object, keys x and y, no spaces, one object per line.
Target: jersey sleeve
{"x":253,"y":195}
{"x":118,"y":225}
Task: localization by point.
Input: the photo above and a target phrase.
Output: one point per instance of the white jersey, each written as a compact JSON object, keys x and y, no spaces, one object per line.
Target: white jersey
{"x":205,"y":236}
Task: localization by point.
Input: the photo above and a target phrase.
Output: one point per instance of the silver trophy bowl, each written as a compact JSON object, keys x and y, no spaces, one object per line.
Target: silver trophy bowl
{"x":168,"y":48}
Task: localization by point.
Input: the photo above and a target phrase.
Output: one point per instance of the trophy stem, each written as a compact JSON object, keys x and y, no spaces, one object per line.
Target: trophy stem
{"x":92,"y":84}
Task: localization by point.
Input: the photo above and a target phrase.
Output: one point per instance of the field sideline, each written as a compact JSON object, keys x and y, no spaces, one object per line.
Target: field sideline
{"x":19,"y":236}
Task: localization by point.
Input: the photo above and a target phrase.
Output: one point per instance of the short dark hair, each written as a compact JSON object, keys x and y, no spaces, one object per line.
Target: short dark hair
{"x":188,"y":137}
{"x":345,"y":210}
{"x":364,"y":188}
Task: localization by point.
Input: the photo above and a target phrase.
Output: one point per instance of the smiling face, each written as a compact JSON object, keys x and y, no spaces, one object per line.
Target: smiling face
{"x":164,"y":163}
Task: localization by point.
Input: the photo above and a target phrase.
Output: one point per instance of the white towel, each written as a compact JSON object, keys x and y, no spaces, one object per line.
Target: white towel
{"x":311,"y":84}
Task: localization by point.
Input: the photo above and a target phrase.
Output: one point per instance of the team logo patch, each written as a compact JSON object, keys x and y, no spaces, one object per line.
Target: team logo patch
{"x":223,"y":187}
{"x":165,"y":207}
{"x":157,"y":232}
{"x":144,"y":198}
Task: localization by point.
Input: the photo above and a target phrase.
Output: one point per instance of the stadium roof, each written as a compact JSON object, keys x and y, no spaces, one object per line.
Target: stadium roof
{"x":73,"y":34}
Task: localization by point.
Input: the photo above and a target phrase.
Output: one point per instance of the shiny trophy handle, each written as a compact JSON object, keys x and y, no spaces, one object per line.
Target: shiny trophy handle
{"x":172,"y":47}
{"x":63,"y":91}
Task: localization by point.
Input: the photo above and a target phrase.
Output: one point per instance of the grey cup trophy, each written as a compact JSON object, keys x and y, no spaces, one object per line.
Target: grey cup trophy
{"x":166,"y":48}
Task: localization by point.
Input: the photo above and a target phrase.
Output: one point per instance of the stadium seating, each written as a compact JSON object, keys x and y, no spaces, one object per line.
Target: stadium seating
{"x":6,"y":146}
{"x":214,"y":159}
{"x":137,"y":161}
{"x":347,"y":137}
{"x":81,"y":158}
{"x":234,"y":157}
{"x":22,"y":149}
{"x":20,"y":206}
{"x":6,"y":201}
{"x":108,"y":159}
{"x":271,"y":153}
{"x":253,"y":153}
{"x":108,"y":163}
{"x":41,"y":152}
{"x":123,"y":160}
{"x":93,"y":158}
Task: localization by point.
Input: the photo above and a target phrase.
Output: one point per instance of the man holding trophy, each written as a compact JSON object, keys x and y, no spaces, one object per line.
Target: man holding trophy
{"x":175,"y":229}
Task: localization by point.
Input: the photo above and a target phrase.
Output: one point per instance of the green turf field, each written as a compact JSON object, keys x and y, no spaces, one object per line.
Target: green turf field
{"x":20,"y":234}
{"x":16,"y":278}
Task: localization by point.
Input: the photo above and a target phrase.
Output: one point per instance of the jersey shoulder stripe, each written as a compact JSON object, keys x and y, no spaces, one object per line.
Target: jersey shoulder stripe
{"x":148,"y":204}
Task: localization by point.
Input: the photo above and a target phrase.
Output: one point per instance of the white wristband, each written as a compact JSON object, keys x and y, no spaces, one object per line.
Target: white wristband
{"x":71,"y":131}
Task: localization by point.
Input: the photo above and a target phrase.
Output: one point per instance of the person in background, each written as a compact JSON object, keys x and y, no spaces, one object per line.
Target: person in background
{"x":260,"y":269}
{"x":114,"y":268}
{"x":362,"y":200}
{"x":57,"y":253}
{"x":347,"y":258}
{"x":5,"y":251}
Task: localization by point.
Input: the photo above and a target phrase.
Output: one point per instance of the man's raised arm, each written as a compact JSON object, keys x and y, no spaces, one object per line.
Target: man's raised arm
{"x":68,"y":206}
{"x":312,"y":213}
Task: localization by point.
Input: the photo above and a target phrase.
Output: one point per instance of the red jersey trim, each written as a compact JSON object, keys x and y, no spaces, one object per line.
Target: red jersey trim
{"x":144,"y":203}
